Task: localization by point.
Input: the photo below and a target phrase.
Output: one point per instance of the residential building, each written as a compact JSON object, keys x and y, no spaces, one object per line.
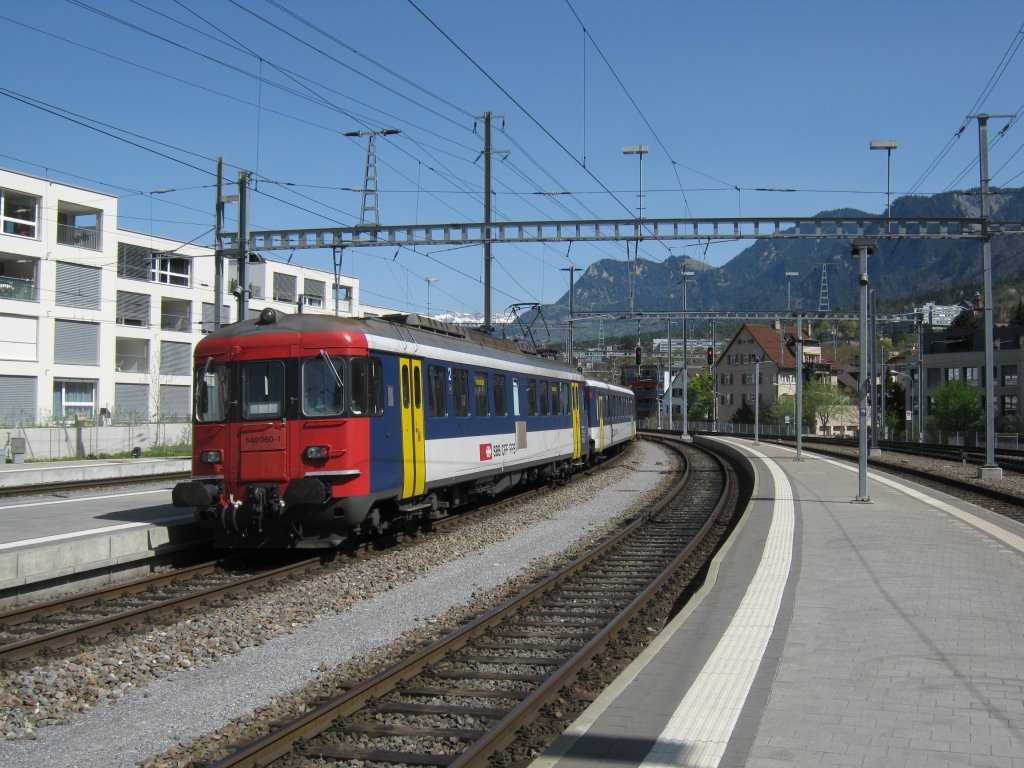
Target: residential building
{"x":760,"y":361}
{"x":98,"y":322}
{"x":960,"y":355}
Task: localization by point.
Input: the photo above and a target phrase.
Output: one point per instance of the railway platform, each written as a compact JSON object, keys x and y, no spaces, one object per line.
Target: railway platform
{"x":50,"y":540}
{"x":831,"y":632}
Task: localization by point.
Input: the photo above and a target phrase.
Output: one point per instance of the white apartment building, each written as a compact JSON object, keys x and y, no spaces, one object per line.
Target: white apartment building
{"x":98,"y":323}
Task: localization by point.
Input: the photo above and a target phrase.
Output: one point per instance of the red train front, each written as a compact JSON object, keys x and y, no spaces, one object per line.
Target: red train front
{"x":280,"y":437}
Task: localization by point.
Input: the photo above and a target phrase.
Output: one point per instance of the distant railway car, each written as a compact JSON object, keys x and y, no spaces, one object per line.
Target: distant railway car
{"x":310,"y":430}
{"x":611,"y":416}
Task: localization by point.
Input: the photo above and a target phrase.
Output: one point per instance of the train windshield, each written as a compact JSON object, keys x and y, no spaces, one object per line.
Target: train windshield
{"x":323,"y":386}
{"x":212,"y":391}
{"x":263,"y":390}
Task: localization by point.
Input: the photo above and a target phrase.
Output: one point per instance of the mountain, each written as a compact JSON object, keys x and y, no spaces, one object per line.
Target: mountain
{"x":901,"y":272}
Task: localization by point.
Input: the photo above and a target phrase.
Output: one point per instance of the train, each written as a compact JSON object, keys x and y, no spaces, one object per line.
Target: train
{"x":317,"y":431}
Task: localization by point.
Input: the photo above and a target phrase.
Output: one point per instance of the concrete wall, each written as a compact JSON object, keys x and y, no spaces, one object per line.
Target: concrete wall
{"x":82,"y":440}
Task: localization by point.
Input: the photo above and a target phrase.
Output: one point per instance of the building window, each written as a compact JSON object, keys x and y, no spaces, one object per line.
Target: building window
{"x":78,"y":286}
{"x":171,"y":270}
{"x":73,"y":400}
{"x":953,"y":374}
{"x":1009,"y":375}
{"x":133,"y":309}
{"x":134,"y":262}
{"x":1009,"y":405}
{"x":19,"y":213}
{"x":284,"y":288}
{"x":313,"y":292}
{"x":973,"y":376}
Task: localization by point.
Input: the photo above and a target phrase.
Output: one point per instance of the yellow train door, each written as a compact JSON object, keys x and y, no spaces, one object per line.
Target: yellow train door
{"x":413,"y":460}
{"x":576,"y":438}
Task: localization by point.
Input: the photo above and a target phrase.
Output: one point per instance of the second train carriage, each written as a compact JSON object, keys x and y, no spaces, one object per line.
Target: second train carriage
{"x":308,"y":428}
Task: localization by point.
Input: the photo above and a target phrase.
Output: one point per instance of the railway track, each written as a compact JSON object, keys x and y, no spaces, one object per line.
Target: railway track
{"x":50,"y":488}
{"x":43,"y":628}
{"x":471,"y":695}
{"x":46,"y":627}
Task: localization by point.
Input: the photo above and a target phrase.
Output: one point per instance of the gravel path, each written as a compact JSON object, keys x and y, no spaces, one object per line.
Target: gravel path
{"x":121,"y":704}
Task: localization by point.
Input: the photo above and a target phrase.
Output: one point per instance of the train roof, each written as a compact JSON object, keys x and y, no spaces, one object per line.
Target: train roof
{"x":392,"y":329}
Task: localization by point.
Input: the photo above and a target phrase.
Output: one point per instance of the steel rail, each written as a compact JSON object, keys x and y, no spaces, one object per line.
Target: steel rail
{"x":280,"y":741}
{"x":61,"y":638}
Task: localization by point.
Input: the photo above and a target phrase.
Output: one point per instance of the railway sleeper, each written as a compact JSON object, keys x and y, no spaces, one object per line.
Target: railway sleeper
{"x":338,"y":752}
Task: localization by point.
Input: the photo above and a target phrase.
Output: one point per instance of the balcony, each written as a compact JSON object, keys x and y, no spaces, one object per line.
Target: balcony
{"x":78,"y":237}
{"x":19,"y":276}
{"x":18,"y":289}
{"x":79,"y":226}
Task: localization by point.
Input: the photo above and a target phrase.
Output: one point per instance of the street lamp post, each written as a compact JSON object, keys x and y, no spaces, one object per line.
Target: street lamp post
{"x":430,"y":282}
{"x":888,"y":145}
{"x":757,"y":398}
{"x":910,"y":393}
{"x":569,"y":341}
{"x":789,"y":275}
{"x":687,"y":274}
{"x":862,"y":248}
{"x":640,"y":150}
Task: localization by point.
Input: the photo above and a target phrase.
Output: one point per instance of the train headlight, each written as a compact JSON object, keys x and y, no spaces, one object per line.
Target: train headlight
{"x":318,"y":452}
{"x":211,"y":457}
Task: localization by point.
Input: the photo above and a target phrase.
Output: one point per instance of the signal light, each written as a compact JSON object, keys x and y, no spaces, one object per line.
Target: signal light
{"x":318,"y":452}
{"x":210,"y":457}
{"x":711,"y":356}
{"x":639,"y":354}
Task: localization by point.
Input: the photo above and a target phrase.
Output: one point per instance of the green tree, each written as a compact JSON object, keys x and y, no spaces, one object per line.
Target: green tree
{"x":956,"y":407}
{"x":744,"y":415}
{"x":967,"y":320}
{"x":824,"y":402}
{"x":700,"y":397}
{"x":1018,"y":316}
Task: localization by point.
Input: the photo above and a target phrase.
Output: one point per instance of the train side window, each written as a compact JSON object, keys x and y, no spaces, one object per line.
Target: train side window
{"x":544,"y":397}
{"x":375,"y":388}
{"x":531,"y":397}
{"x":515,"y":397}
{"x":405,"y":385}
{"x":417,"y":392}
{"x":460,"y":391}
{"x":366,"y":386}
{"x":480,"y":393}
{"x":500,"y":395}
{"x":556,"y":398}
{"x":263,"y":390}
{"x":438,"y":399}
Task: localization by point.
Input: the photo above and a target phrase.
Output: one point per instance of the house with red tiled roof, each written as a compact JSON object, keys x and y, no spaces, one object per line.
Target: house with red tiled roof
{"x":766,"y":354}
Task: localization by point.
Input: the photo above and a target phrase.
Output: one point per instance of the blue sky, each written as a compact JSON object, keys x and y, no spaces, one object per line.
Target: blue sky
{"x":732,"y":99}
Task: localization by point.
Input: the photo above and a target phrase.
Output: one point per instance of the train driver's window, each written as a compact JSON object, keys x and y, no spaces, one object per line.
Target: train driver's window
{"x":366,"y":393}
{"x":263,"y":390}
{"x":323,"y":386}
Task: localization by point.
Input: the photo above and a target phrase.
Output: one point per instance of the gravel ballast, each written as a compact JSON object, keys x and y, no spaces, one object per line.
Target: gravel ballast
{"x":124,"y":702}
